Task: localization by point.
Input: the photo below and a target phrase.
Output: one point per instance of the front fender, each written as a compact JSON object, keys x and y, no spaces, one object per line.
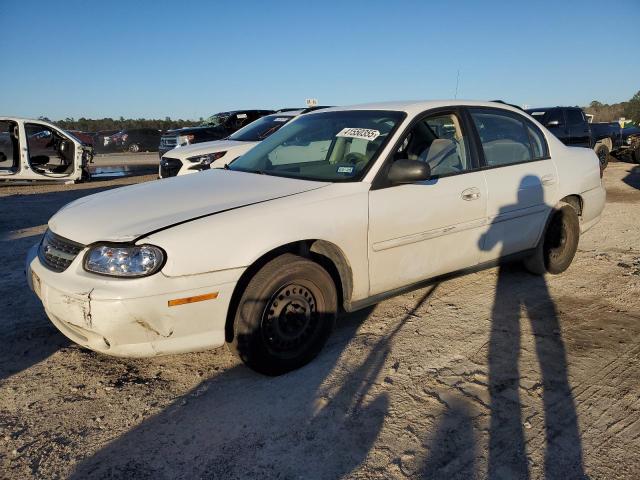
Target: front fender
{"x":337,"y":214}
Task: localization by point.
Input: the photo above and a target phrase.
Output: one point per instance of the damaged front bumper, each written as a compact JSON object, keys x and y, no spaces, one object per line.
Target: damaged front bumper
{"x":134,"y":317}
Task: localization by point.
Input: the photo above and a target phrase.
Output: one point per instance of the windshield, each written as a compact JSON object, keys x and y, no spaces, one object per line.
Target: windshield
{"x":260,"y":129}
{"x":216,"y":120}
{"x":329,"y":146}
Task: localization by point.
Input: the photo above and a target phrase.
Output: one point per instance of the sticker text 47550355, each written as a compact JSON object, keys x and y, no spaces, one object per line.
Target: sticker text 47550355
{"x":363,"y":133}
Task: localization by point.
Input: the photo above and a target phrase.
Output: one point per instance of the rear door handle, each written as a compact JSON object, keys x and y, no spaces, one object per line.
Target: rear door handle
{"x":472,"y":193}
{"x":548,"y":179}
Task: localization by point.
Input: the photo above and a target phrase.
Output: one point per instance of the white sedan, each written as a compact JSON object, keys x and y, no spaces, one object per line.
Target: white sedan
{"x":215,"y":154}
{"x":336,"y":211}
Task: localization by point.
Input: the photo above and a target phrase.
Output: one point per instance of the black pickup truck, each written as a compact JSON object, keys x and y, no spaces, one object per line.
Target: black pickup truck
{"x":571,"y":126}
{"x":216,"y":127}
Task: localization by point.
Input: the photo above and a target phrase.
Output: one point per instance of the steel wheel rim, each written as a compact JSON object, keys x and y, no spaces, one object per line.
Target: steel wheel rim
{"x":290,"y":319}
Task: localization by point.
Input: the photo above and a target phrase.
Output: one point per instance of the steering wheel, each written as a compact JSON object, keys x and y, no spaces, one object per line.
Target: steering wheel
{"x":355,"y":158}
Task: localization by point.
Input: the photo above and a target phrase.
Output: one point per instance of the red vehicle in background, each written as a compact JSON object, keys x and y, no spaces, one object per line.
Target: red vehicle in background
{"x":87,"y":138}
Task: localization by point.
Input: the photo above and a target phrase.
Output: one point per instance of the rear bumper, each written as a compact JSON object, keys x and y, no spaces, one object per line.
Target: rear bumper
{"x":132,"y":318}
{"x":593,"y":202}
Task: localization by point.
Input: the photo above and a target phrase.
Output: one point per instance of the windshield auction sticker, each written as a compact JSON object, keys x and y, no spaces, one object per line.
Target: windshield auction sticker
{"x":363,"y":133}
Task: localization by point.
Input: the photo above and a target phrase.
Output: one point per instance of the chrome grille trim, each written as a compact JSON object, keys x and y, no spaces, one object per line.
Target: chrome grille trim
{"x":56,"y":252}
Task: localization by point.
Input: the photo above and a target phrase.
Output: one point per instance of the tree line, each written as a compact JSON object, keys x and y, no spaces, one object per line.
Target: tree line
{"x":603,"y":112}
{"x":96,"y":125}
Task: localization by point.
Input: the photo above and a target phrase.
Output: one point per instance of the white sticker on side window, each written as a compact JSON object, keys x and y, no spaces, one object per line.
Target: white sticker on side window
{"x":241,"y":115}
{"x":363,"y":133}
{"x":281,"y":119}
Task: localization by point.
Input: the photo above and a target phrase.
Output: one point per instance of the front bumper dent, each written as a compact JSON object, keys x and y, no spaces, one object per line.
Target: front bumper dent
{"x":132,"y":318}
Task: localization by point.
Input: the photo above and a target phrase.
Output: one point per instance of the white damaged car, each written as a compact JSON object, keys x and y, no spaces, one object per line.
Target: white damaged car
{"x":335,"y":211}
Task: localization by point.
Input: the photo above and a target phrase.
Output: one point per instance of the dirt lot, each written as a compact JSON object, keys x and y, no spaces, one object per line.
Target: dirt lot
{"x":494,"y":374}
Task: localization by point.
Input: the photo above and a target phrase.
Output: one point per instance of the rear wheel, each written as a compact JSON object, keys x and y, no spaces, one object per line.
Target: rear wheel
{"x":558,"y":244}
{"x":134,"y":148}
{"x":602,"y":151}
{"x":285,"y":315}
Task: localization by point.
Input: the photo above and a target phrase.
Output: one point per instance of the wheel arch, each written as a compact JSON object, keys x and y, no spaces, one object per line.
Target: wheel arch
{"x":325,"y":253}
{"x":575,"y":201}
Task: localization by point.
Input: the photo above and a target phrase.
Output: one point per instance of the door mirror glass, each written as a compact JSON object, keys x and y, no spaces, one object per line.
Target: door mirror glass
{"x":408,"y":171}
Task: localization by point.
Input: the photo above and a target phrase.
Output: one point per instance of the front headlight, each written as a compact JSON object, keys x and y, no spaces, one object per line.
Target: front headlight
{"x":206,"y":159}
{"x":124,"y":261}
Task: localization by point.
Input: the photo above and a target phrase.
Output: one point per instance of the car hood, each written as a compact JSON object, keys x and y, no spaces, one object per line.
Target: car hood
{"x":127,"y":213}
{"x":205,"y":147}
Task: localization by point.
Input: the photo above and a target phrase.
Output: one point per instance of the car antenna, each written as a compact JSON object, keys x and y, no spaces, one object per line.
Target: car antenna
{"x":455,"y":96}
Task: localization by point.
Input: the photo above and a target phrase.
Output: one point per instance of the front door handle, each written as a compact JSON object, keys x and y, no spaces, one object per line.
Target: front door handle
{"x":548,"y":179}
{"x":472,"y":193}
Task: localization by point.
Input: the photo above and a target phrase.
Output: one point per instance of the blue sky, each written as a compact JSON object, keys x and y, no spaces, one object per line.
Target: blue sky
{"x":188,"y":59}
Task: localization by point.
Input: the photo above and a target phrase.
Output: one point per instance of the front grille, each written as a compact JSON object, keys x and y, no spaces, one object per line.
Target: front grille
{"x":168,"y":142}
{"x":169,"y":167}
{"x":56,"y":252}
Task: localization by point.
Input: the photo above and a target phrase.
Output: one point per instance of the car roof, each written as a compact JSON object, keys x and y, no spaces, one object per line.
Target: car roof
{"x":416,"y":106}
{"x":542,"y":109}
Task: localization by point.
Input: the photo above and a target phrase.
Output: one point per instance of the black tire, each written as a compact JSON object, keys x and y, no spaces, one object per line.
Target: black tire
{"x":636,"y":156}
{"x":602,"y":151}
{"x":133,"y":148}
{"x":558,"y":244}
{"x":285,"y":315}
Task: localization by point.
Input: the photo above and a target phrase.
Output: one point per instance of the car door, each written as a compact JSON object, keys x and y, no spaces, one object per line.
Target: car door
{"x":521,"y":181}
{"x":578,"y":128}
{"x":421,"y":230}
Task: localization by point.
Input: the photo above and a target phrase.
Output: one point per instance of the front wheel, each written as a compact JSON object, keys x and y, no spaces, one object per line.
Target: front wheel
{"x":558,"y":244}
{"x":134,"y":148}
{"x":285,"y":315}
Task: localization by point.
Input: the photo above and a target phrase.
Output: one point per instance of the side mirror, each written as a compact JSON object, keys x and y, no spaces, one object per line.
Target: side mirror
{"x":408,"y":171}
{"x":553,"y":123}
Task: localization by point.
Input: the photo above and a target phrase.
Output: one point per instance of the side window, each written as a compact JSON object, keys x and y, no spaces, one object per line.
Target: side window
{"x":504,"y":138}
{"x":439,"y":141}
{"x":574,"y":117}
{"x":554,"y":116}
{"x":538,"y":142}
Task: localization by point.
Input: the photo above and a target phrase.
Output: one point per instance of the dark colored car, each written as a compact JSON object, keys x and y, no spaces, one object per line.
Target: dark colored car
{"x":102,"y":140}
{"x":137,"y":140}
{"x":216,"y":127}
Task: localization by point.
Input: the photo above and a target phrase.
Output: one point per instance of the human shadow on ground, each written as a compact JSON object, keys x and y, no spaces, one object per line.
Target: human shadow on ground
{"x":633,"y":177}
{"x":317,"y":422}
{"x":516,"y":290}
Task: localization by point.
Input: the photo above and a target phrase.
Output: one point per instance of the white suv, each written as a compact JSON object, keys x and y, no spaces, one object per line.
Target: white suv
{"x":217,"y":153}
{"x":337,"y":210}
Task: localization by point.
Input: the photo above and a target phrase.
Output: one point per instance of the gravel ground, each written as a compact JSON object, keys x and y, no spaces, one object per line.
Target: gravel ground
{"x":497,"y":374}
